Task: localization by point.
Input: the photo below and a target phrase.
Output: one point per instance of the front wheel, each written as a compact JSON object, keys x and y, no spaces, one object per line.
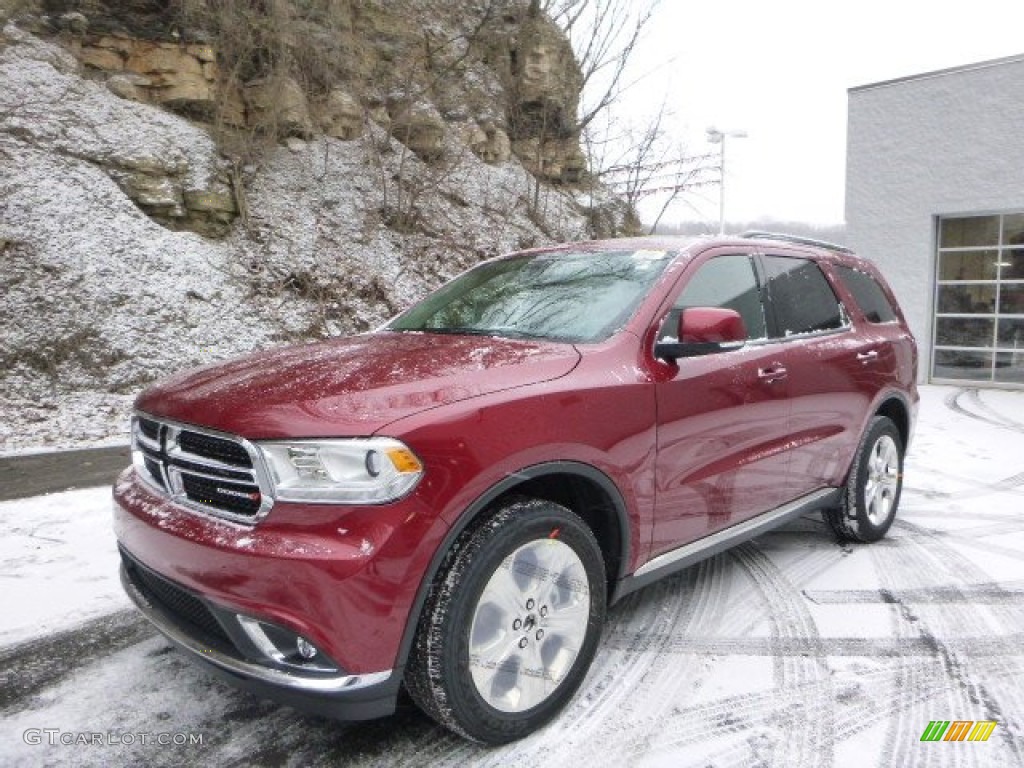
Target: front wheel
{"x":872,"y":491}
{"x":509,"y":632}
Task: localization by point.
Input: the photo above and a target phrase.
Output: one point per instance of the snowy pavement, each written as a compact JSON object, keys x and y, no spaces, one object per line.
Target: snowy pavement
{"x":791,"y":650}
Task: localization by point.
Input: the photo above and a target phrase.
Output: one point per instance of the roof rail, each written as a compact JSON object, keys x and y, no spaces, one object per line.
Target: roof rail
{"x":796,"y":239}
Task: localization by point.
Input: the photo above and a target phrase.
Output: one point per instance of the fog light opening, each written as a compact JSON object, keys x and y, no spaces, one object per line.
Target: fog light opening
{"x":284,"y":647}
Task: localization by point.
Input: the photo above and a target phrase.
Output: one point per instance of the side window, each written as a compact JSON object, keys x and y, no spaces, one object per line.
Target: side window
{"x":868,"y":294}
{"x":801,"y":299}
{"x":724,"y":281}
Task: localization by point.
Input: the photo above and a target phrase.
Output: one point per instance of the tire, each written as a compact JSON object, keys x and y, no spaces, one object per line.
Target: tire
{"x":511,"y":626}
{"x":872,"y":492}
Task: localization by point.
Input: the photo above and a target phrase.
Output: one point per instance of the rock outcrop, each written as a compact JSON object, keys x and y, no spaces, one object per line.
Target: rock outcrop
{"x":182,"y":77}
{"x":420,"y":128}
{"x":543,"y":82}
{"x":167,"y":167}
{"x":341,"y":116}
{"x":278,"y":105}
{"x":132,"y":245}
{"x":510,"y":70}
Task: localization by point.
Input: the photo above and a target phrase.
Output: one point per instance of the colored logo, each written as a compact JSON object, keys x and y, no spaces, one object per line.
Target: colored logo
{"x":958,"y":730}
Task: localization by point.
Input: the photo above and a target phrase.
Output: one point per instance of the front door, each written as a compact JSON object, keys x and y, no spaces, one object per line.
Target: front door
{"x":723,"y":419}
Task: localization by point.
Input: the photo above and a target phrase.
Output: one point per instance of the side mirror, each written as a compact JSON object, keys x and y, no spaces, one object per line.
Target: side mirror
{"x":704,"y":331}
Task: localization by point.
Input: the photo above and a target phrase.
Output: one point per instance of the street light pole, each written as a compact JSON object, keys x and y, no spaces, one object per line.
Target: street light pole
{"x":717,"y":136}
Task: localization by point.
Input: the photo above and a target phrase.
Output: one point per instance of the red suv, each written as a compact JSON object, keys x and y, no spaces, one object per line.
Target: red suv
{"x":452,"y":502}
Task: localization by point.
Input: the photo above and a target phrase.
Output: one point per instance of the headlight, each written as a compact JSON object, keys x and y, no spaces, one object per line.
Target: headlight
{"x":372,"y":470}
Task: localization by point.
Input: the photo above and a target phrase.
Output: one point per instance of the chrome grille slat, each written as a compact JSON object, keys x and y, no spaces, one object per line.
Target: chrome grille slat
{"x":217,"y":474}
{"x":198,"y":466}
{"x":192,"y":472}
{"x":150,"y":429}
{"x":181,"y":457}
{"x":147,"y":443}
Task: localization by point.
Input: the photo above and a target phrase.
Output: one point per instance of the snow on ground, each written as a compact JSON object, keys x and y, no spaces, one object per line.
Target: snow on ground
{"x":58,"y":563}
{"x":791,"y":650}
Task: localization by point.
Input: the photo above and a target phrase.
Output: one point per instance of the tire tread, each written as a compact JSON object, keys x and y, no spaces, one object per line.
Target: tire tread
{"x":848,"y":521}
{"x":427,"y":678}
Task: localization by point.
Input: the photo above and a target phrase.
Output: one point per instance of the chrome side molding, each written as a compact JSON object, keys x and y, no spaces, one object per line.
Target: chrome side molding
{"x":688,"y":554}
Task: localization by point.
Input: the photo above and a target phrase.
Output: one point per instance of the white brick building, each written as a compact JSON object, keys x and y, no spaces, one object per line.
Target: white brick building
{"x":935,"y":196}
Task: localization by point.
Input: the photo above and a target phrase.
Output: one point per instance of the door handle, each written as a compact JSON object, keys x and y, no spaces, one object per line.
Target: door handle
{"x":868,"y":357}
{"x":772,"y":373}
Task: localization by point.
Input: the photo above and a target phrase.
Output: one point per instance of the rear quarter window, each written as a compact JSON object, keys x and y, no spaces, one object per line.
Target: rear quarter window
{"x":868,"y":294}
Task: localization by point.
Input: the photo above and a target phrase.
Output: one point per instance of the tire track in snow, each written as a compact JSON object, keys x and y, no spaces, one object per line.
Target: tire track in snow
{"x":924,"y":556}
{"x":790,"y":617}
{"x":711,"y":601}
{"x":709,"y":584}
{"x":1011,"y":484}
{"x":870,"y":647}
{"x":610,"y":688}
{"x":916,"y":682}
{"x":800,"y":699}
{"x":34,"y":665}
{"x":974,"y":396}
{"x":899,"y":564}
{"x":745,"y":609}
{"x":742,"y":611}
{"x":871,"y":696}
{"x":1006,"y":706}
{"x":984,"y":545}
{"x":979,"y":411}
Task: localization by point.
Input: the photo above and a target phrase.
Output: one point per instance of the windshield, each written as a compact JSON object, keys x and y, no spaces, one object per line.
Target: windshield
{"x":562,"y":296}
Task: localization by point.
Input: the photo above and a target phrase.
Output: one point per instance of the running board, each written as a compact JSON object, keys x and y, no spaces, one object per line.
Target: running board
{"x":688,"y":554}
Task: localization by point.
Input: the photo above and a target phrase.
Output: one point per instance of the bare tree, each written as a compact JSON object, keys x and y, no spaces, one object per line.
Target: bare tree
{"x":643,"y":160}
{"x":604,"y":34}
{"x":635,"y":159}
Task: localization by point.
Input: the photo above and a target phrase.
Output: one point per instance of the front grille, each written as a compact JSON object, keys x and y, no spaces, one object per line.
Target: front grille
{"x":185,"y":607}
{"x":207,"y":470}
{"x":239,"y":499}
{"x":150,"y":429}
{"x":217,"y":448}
{"x":153,"y":467}
{"x":211,"y":472}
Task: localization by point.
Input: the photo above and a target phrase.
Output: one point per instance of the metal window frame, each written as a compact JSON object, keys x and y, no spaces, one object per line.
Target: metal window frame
{"x":993,"y":349}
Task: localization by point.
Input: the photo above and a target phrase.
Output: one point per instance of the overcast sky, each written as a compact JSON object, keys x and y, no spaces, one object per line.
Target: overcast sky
{"x":780,"y":70}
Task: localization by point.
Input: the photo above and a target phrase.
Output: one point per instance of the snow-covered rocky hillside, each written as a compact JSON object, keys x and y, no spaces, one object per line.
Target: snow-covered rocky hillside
{"x":132,"y":244}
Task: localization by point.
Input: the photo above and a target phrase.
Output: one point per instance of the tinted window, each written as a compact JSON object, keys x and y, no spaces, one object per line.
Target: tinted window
{"x":728,"y":282}
{"x":802,"y":300}
{"x":562,"y":296}
{"x":868,"y":294}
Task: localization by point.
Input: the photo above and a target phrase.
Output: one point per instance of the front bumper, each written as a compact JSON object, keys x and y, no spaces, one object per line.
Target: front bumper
{"x":342,"y":579}
{"x":363,"y":696}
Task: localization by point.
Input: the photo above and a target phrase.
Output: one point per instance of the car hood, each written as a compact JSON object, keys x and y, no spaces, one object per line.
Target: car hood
{"x":351,"y":386}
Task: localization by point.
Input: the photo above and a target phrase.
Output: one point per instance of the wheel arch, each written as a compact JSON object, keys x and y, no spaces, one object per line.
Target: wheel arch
{"x":895,"y":406}
{"x":897,"y":410}
{"x":583,"y":488}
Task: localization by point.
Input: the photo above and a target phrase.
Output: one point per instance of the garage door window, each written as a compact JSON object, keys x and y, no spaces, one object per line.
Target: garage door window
{"x":979,"y":300}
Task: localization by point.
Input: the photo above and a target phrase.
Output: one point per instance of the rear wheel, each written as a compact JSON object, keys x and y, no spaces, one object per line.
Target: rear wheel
{"x":872,"y":491}
{"x":510,"y":630}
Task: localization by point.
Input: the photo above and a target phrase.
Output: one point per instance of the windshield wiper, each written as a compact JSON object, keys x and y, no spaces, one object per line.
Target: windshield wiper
{"x":507,"y":332}
{"x":515,"y":333}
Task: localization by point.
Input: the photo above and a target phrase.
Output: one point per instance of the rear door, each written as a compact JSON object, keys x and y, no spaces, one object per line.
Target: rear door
{"x":830,"y":369}
{"x":723,"y":419}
